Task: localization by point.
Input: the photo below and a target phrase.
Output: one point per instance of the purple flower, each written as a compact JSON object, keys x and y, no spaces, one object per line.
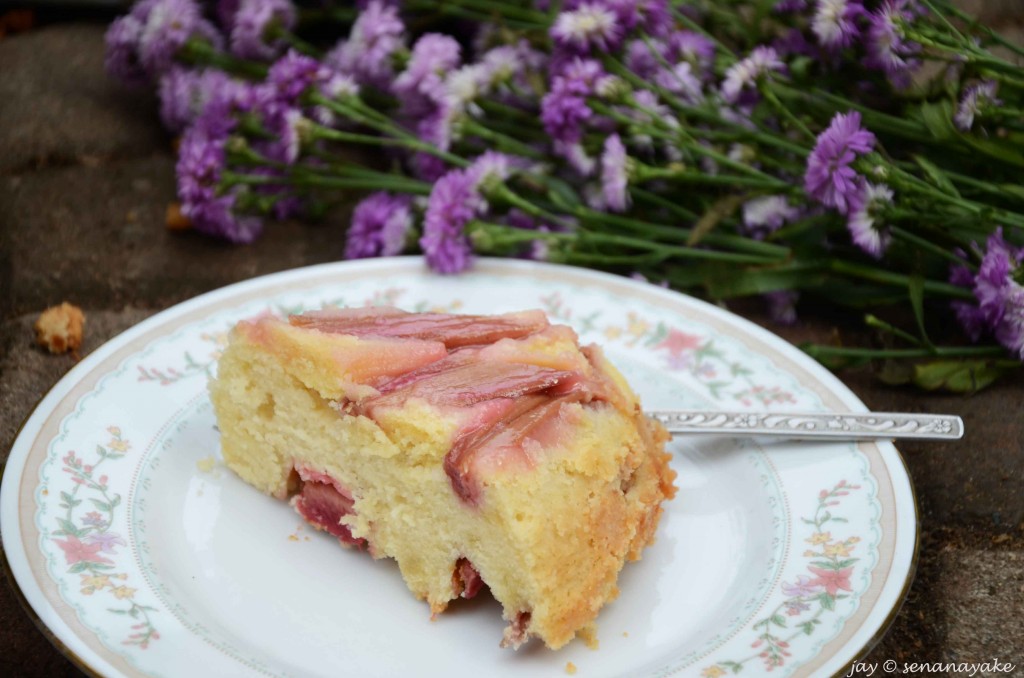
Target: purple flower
{"x":591,"y":26}
{"x":795,"y":607}
{"x":456,"y":199}
{"x":294,"y":73}
{"x":453,"y":202}
{"x":803,"y":587}
{"x":254,"y":23}
{"x":999,"y":294}
{"x":888,"y":49}
{"x":490,"y":167}
{"x":975,"y":100}
{"x":765,"y":215}
{"x":834,"y":22}
{"x":380,"y":224}
{"x":782,"y":306}
{"x":106,"y":540}
{"x":693,"y":48}
{"x":93,"y":519}
{"x":651,"y":16}
{"x":184,"y":94}
{"x":166,"y":27}
{"x":428,"y":167}
{"x":201,"y":161}
{"x":143,"y":44}
{"x":829,"y":178}
{"x":614,"y":177}
{"x":420,"y":87}
{"x":794,"y":43}
{"x":867,"y":233}
{"x":377,"y":34}
{"x":564,"y":109}
{"x":741,"y":80}
{"x":122,"y":57}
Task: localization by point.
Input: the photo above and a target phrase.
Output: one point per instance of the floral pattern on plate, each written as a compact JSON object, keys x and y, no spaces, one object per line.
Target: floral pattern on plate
{"x":137,"y":537}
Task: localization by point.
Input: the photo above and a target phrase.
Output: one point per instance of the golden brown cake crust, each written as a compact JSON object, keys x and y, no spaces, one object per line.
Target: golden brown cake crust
{"x":553,"y":523}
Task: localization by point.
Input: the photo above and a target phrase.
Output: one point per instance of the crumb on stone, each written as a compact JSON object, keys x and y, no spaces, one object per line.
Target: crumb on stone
{"x":206,"y":464}
{"x":570,"y":668}
{"x":59,"y":328}
{"x":175,"y":220}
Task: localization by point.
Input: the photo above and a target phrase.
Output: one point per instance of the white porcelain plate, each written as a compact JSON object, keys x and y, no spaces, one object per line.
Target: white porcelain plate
{"x":145,"y":556}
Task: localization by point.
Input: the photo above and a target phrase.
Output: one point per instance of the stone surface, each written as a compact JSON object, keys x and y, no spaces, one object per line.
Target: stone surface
{"x":114,"y":249}
{"x":85,"y":178}
{"x":58,"y":106}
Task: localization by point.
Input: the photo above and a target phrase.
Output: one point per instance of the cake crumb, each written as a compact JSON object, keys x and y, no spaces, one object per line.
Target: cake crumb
{"x":293,"y":537}
{"x":588,"y":634}
{"x":206,"y":464}
{"x":59,"y":328}
{"x":570,"y":668}
{"x":625,"y":634}
{"x":175,"y":219}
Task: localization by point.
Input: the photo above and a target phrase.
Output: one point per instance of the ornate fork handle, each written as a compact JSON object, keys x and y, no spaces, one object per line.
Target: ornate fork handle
{"x":799,"y":425}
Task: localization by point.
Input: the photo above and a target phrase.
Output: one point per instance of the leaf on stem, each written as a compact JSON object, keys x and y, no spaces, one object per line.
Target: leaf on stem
{"x":723,"y":208}
{"x":936,"y":175}
{"x":916,"y":291}
{"x":959,"y":376}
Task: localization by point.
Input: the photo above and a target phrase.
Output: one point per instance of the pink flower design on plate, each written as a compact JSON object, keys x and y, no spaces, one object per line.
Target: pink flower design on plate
{"x":76,"y":551}
{"x":832,"y":580}
{"x":679,"y":342}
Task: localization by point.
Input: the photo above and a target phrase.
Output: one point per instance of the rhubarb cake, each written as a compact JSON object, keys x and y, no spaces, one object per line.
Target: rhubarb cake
{"x":474,"y":450}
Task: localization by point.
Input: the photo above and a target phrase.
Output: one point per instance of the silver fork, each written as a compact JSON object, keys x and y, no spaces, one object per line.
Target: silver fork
{"x":814,"y":425}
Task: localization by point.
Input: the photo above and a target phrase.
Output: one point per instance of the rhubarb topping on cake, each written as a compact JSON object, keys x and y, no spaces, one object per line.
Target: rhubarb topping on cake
{"x":475,"y":450}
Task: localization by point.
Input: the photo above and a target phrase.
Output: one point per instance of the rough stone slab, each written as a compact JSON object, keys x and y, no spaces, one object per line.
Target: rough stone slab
{"x":27,"y":371}
{"x":964,"y":607}
{"x":58,"y":106}
{"x":26,"y":374}
{"x":975,"y":481}
{"x":96,"y":236}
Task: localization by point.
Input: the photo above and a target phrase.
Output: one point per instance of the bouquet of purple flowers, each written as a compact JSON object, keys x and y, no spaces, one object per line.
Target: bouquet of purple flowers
{"x":865,"y":152}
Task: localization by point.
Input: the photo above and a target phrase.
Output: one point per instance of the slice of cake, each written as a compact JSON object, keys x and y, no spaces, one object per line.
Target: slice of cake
{"x":474,"y":450}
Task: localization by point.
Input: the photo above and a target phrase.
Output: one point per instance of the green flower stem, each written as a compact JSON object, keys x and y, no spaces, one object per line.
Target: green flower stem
{"x":698,"y":112}
{"x":828,"y":102}
{"x":591,"y":259}
{"x":819,"y":351}
{"x":278,"y":32}
{"x":678,"y":234}
{"x":501,"y":141}
{"x":974,"y":24}
{"x":851,"y":269}
{"x":199,"y":52}
{"x":320,"y":181}
{"x":315,"y":16}
{"x":354,"y":113}
{"x":726,"y":54}
{"x":766,"y":91}
{"x":510,"y":235}
{"x":479,"y":15}
{"x":908,"y":181}
{"x":925,"y":244}
{"x":644,"y":195}
{"x":878,"y":323}
{"x":328,"y":133}
{"x":495,"y":7}
{"x":503,"y":109}
{"x":683,"y":138}
{"x":643,"y":172}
